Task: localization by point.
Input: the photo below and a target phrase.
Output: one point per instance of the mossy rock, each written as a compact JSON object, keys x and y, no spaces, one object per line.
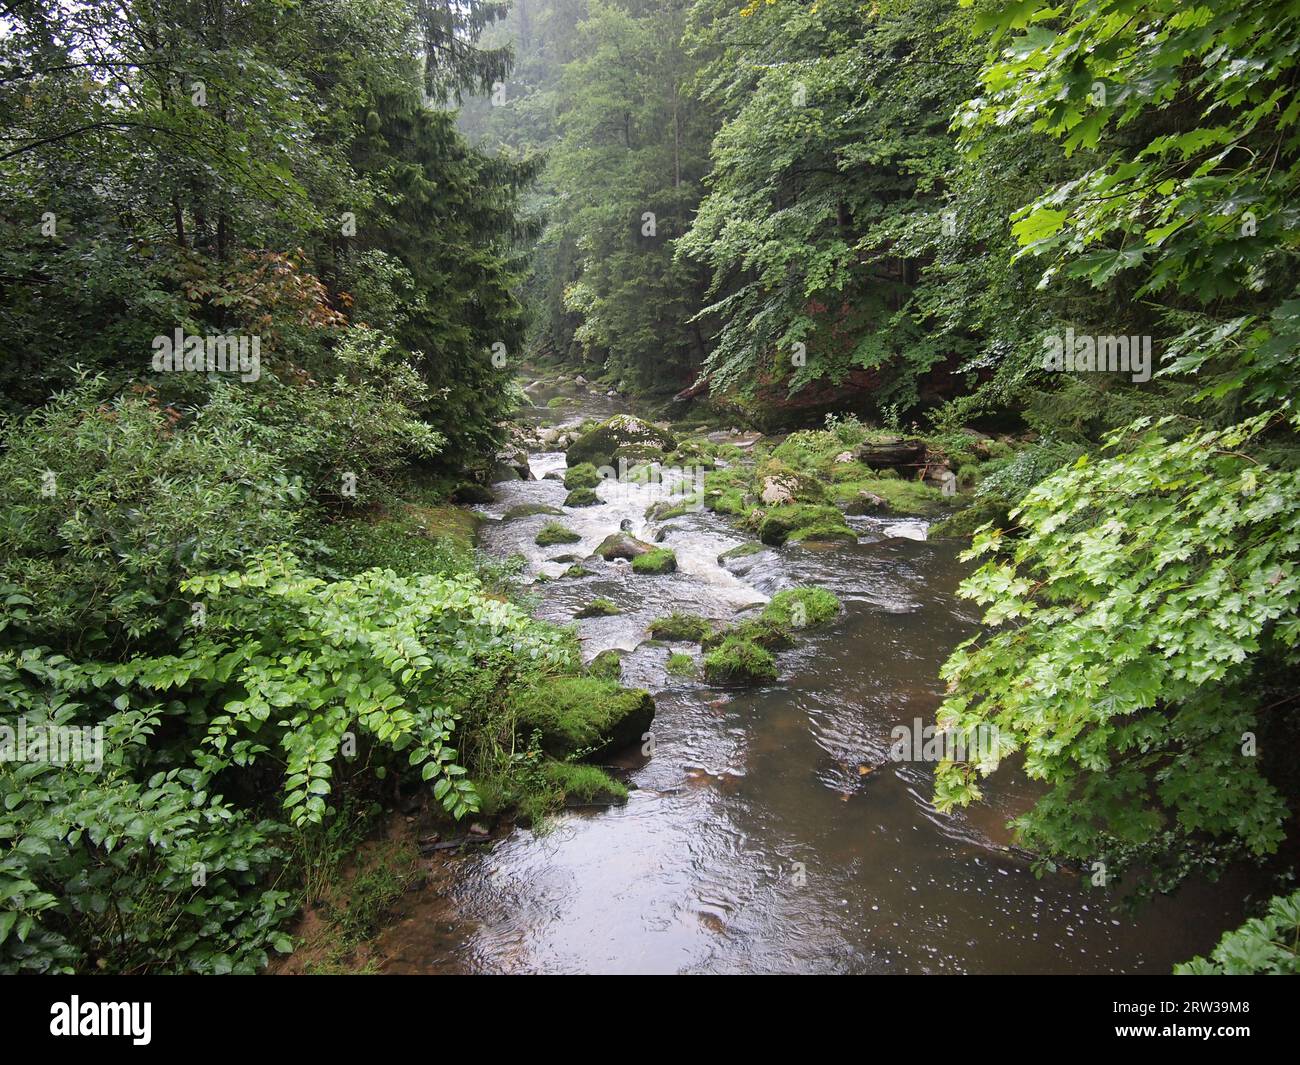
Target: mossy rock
{"x":623,"y":545}
{"x":555,"y":533}
{"x":680,"y":665}
{"x":963,"y":523}
{"x":598,"y":608}
{"x":584,"y":475}
{"x":882,"y":494}
{"x":666,"y":510}
{"x":583,"y":714}
{"x":564,"y":560}
{"x":801,"y":608}
{"x":738,"y":661}
{"x":582,"y":497}
{"x":576,"y":570}
{"x":608,"y":664}
{"x":583,"y":785}
{"x":778,"y":523}
{"x":740,"y":551}
{"x":622,"y":436}
{"x":529,"y":510}
{"x":447,"y":522}
{"x":823,"y":532}
{"x":471,"y":492}
{"x":656,"y":560}
{"x":762,"y":631}
{"x":688,"y":627}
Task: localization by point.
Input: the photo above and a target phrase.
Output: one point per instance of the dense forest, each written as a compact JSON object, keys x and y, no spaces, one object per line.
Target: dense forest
{"x":274,"y":275}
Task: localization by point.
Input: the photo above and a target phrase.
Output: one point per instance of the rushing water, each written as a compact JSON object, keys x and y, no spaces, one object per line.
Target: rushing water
{"x":769,"y":831}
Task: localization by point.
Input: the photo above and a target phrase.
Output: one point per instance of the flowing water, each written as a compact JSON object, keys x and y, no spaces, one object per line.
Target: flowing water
{"x":769,"y":831}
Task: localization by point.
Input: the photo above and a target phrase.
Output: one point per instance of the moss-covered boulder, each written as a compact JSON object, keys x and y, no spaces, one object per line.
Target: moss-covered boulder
{"x":964,"y":522}
{"x":470,"y":492}
{"x":801,"y":608}
{"x":608,"y":664}
{"x":582,"y":497}
{"x":576,"y":570}
{"x":529,"y":510}
{"x":738,"y":661}
{"x":623,"y":436}
{"x":656,"y":560}
{"x":598,"y":608}
{"x":688,"y":627}
{"x":781,"y":523}
{"x":583,"y":714}
{"x":555,"y":533}
{"x":622,"y":545}
{"x":583,"y":785}
{"x":584,"y":475}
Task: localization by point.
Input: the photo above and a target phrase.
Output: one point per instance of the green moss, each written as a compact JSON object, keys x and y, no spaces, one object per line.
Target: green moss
{"x":469,"y":492}
{"x":762,"y":631}
{"x":584,"y":475}
{"x":906,"y":497}
{"x":555,"y":533}
{"x":740,"y":551}
{"x":800,"y":608}
{"x":582,"y":497}
{"x":608,"y":664}
{"x":623,"y":436}
{"x":823,"y":532}
{"x":778,"y":523}
{"x":964,"y":522}
{"x":656,"y":560}
{"x":680,"y":665}
{"x":528,"y":510}
{"x":739,"y":661}
{"x":677,"y":626}
{"x":447,"y":523}
{"x":576,"y":570}
{"x":583,"y":783}
{"x":555,"y":402}
{"x":598,"y":608}
{"x":583,"y":714}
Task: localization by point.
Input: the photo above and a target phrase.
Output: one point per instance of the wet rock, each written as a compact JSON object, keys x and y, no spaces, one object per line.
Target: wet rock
{"x":608,"y":664}
{"x":622,"y":545}
{"x":471,"y":492}
{"x":529,"y":510}
{"x":658,"y":560}
{"x":623,"y":436}
{"x":573,"y":714}
{"x":582,"y":497}
{"x":777,"y":492}
{"x":503,"y":471}
{"x":867,"y":503}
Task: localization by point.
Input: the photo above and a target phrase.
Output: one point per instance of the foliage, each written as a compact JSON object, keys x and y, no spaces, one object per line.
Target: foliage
{"x":1264,"y":945}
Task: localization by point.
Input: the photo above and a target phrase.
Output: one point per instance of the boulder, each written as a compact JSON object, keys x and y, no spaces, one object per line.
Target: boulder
{"x":622,"y":436}
{"x":589,"y":714}
{"x":622,"y":545}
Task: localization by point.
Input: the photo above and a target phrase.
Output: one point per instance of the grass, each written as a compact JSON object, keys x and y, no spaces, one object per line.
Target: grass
{"x":680,"y":665}
{"x":738,"y":661}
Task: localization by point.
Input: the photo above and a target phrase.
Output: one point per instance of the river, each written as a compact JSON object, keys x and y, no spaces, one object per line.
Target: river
{"x":769,"y":831}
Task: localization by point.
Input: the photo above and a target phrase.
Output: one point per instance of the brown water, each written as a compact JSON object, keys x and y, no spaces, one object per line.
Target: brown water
{"x":769,"y":831}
